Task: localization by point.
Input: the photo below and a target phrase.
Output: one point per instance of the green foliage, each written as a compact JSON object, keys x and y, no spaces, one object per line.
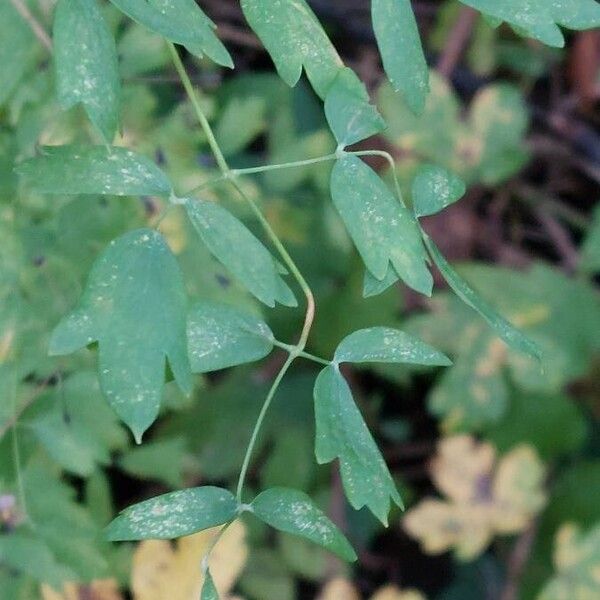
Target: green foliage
{"x":293,"y":512}
{"x":178,"y":286}
{"x":134,"y":306}
{"x":181,"y":22}
{"x":87,"y":70}
{"x":400,"y":46}
{"x":383,"y":230}
{"x":174,"y":515}
{"x":540,"y":18}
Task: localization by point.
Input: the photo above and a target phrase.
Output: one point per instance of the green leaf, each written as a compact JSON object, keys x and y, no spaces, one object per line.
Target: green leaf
{"x":18,"y":48}
{"x":240,"y":251}
{"x":174,"y":515}
{"x":540,"y":18}
{"x":87,"y":69}
{"x":93,"y":170}
{"x":342,"y":433}
{"x":221,"y":336}
{"x":294,"y":38}
{"x":161,"y":460}
{"x":292,"y":511}
{"x":350,"y":114}
{"x":383,"y":344}
{"x":510,"y":334}
{"x":383,"y":230}
{"x":134,"y":306}
{"x":209,"y":590}
{"x":434,"y":189}
{"x":401,"y":51}
{"x":374,"y":287}
{"x":474,"y":392}
{"x":181,"y":22}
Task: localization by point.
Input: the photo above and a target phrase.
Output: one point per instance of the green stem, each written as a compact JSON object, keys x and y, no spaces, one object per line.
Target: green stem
{"x":189,"y":88}
{"x":300,"y":354}
{"x":212,"y":545}
{"x":288,"y":165}
{"x":287,"y":259}
{"x":259,"y":422}
{"x":17,"y":451}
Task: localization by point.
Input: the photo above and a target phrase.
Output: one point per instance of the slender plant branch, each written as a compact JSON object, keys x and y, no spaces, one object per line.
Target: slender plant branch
{"x":390,"y":159}
{"x":289,"y":165}
{"x":259,"y":422}
{"x":230,"y":175}
{"x":302,"y":354}
{"x":16,"y":449}
{"x":34,"y":24}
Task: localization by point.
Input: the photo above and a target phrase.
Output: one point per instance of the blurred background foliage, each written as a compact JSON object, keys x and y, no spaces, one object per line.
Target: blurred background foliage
{"x":499,"y":460}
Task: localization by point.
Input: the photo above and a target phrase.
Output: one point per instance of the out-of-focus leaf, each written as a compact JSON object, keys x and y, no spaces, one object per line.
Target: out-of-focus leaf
{"x":182,"y":22}
{"x":174,"y":515}
{"x":240,"y":251}
{"x":102,"y":589}
{"x":486,"y":146}
{"x":540,"y":18}
{"x":342,"y":589}
{"x":17,"y":49}
{"x":221,"y":336}
{"x":577,"y":560}
{"x":292,"y":511}
{"x":551,"y":423}
{"x":400,"y":46}
{"x":162,"y":460}
{"x":295,"y":39}
{"x":433,"y":189}
{"x":342,"y":433}
{"x":161,"y":571}
{"x":241,"y":121}
{"x":93,"y":170}
{"x":382,"y":228}
{"x":350,"y":114}
{"x":85,"y":56}
{"x":485,"y":497}
{"x":134,"y":307}
{"x":383,"y":344}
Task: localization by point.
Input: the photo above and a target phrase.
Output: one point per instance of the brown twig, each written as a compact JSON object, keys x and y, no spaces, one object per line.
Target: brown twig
{"x":36,"y":27}
{"x":561,"y":239}
{"x":458,"y":39}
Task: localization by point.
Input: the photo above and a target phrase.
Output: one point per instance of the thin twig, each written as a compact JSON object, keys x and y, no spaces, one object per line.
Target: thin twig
{"x":517,"y":562}
{"x":36,"y":27}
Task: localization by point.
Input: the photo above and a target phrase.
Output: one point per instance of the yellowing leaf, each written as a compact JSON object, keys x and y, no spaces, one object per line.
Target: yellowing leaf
{"x":486,"y":497}
{"x":342,"y":589}
{"x":577,"y":561}
{"x":102,"y":589}
{"x":161,"y":570}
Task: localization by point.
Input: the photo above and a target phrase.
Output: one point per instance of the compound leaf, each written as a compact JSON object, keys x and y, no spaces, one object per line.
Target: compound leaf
{"x":342,"y":433}
{"x":240,"y":251}
{"x":401,"y":50}
{"x":435,"y":188}
{"x":510,"y":334}
{"x":382,"y":228}
{"x":292,"y":511}
{"x":134,"y":306}
{"x":93,"y":170}
{"x":350,"y":114}
{"x":174,"y":515}
{"x":221,"y":336}
{"x":181,"y":22}
{"x":383,"y":344}
{"x":294,"y":38}
{"x":87,"y":69}
{"x":540,"y":18}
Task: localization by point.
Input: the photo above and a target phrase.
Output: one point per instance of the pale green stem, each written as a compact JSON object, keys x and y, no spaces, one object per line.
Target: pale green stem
{"x":259,"y":422}
{"x":308,"y":356}
{"x":289,"y":165}
{"x":287,"y":259}
{"x":215,"y":541}
{"x":17,"y":451}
